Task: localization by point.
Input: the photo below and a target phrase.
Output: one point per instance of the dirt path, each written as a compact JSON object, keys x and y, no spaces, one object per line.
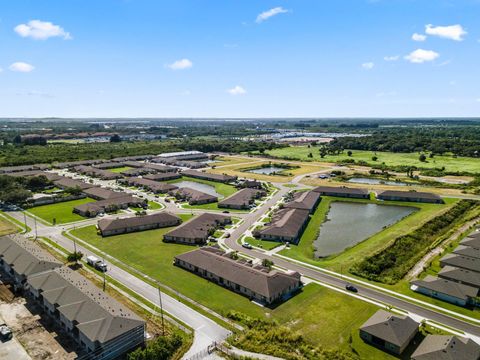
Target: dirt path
{"x":418,"y":268}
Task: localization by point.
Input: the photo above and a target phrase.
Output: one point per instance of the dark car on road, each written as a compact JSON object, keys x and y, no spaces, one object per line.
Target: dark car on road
{"x":351,"y":288}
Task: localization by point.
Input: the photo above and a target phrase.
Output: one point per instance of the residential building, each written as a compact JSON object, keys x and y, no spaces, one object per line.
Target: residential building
{"x":20,"y":258}
{"x":110,"y":205}
{"x":163,"y":176}
{"x":192,"y":196}
{"x":242,"y":199}
{"x":461,"y":261}
{"x":150,"y":185}
{"x":163,"y":219}
{"x":99,"y":193}
{"x":72,"y":164}
{"x":467,"y":251}
{"x":342,"y":191}
{"x":99,"y":173}
{"x":252,"y":184}
{"x":287,"y":225}
{"x":255,"y":282}
{"x":65,"y":183}
{"x":108,"y":165}
{"x":461,"y":276}
{"x":100,"y":325}
{"x":137,"y":171}
{"x":447,"y":347}
{"x":184,"y":155}
{"x":472,"y":241}
{"x":445,"y":290}
{"x":389,"y":332}
{"x":410,"y":196}
{"x":223,"y":178}
{"x":305,"y":200}
{"x":159,"y":168}
{"x":197,"y":230}
{"x":33,"y":173}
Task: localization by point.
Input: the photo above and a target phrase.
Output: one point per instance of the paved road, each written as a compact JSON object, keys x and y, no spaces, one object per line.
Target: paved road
{"x":206,"y":330}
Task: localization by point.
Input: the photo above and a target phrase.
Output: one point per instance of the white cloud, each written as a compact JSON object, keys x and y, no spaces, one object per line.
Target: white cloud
{"x":21,"y":67}
{"x":420,"y":56}
{"x":391,"y":58}
{"x":237,"y":90}
{"x":41,"y":30}
{"x":269,"y":13}
{"x":419,"y":37}
{"x":478,"y":100}
{"x":453,"y":32}
{"x":181,"y":64}
{"x":368,"y":65}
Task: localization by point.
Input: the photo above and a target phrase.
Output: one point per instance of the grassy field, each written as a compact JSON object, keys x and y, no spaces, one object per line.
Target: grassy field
{"x":6,"y":227}
{"x":223,"y":189}
{"x":304,"y":251}
{"x":411,"y":159}
{"x":61,"y":212}
{"x":322,"y":315}
{"x":120,"y":169}
{"x":212,"y":206}
{"x":267,"y":245}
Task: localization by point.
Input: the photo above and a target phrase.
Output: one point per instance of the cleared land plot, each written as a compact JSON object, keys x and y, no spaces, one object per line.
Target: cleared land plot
{"x":6,"y":227}
{"x":289,"y":174}
{"x":391,"y":159}
{"x":304,"y":251}
{"x":62,"y":212}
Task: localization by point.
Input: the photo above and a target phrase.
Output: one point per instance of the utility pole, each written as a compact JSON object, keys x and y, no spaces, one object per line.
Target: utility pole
{"x":75,"y":250}
{"x":25,"y":221}
{"x":161,"y":308}
{"x":36,"y":233}
{"x":104,"y":279}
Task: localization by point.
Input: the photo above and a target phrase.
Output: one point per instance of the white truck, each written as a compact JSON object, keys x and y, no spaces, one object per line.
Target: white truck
{"x":96,"y":263}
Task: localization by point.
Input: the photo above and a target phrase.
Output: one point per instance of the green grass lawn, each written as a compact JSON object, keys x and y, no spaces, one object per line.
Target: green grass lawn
{"x":223,"y":189}
{"x":152,"y":205}
{"x":61,"y":212}
{"x":267,"y":245}
{"x":6,"y":227}
{"x":411,"y":159}
{"x":304,"y":251}
{"x":120,"y":169}
{"x":212,"y":206}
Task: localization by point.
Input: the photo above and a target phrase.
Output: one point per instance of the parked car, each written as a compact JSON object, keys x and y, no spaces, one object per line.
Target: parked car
{"x":226,"y":212}
{"x":351,"y":288}
{"x":247,"y":246}
{"x":5,"y":332}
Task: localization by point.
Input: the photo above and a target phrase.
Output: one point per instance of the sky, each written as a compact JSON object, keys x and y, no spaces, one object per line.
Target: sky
{"x":239,"y":58}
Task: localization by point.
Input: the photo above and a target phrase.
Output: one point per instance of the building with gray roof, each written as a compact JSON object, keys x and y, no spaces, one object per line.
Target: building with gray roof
{"x":92,"y":209}
{"x":287,"y":225}
{"x":242,"y":199}
{"x":446,"y":290}
{"x":342,"y":191}
{"x":461,"y":261}
{"x":98,"y":173}
{"x":467,"y":251}
{"x":193,"y":196}
{"x":255,"y":282}
{"x":163,"y":176}
{"x":410,"y":196}
{"x":99,"y":193}
{"x":389,"y":332}
{"x":462,"y":276}
{"x":103,"y":327}
{"x":20,"y":258}
{"x":306,"y":200}
{"x":472,"y":241}
{"x":163,"y":219}
{"x":446,"y":347}
{"x":150,"y":185}
{"x":66,"y":182}
{"x":197,"y":230}
{"x":223,"y":178}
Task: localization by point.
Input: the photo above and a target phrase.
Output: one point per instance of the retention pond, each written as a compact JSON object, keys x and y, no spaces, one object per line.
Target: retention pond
{"x":208,"y":189}
{"x":348,"y":224}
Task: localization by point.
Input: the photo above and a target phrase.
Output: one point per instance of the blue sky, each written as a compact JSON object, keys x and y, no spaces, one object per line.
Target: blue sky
{"x":239,"y":58}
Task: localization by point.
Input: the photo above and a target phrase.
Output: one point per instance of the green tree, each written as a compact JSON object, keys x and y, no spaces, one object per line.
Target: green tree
{"x":422,"y":158}
{"x":75,"y":256}
{"x":349,"y":153}
{"x":115,"y":138}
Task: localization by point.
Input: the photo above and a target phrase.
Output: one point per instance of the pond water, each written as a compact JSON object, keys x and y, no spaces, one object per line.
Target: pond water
{"x":348,"y":224}
{"x":360,"y":180}
{"x":266,"y":170}
{"x":208,"y":189}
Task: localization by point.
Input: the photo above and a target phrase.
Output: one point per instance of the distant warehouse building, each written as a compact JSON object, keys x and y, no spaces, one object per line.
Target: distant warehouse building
{"x":342,"y":191}
{"x":184,"y":155}
{"x":99,"y":324}
{"x":241,"y":199}
{"x":411,"y":196}
{"x":446,"y":290}
{"x":255,"y":282}
{"x":110,"y":227}
{"x":198,"y":229}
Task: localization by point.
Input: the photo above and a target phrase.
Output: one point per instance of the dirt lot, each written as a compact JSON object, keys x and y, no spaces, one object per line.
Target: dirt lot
{"x":29,"y":329}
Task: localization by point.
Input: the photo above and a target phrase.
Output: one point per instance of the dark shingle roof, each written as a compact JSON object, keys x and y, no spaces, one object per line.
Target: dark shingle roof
{"x":193,"y":195}
{"x":446,"y":347}
{"x":340,"y":190}
{"x":461,"y":261}
{"x":447,"y":287}
{"x":465,"y":276}
{"x":394,"y":329}
{"x":198,"y":227}
{"x":103,"y":193}
{"x":208,"y":176}
{"x":240,"y":198}
{"x":472,"y":241}
{"x":467,"y":251}
{"x":409,"y":195}
{"x":286,"y":222}
{"x":65,"y":182}
{"x":122,"y":223}
{"x":304,"y":200}
{"x":258,"y":280}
